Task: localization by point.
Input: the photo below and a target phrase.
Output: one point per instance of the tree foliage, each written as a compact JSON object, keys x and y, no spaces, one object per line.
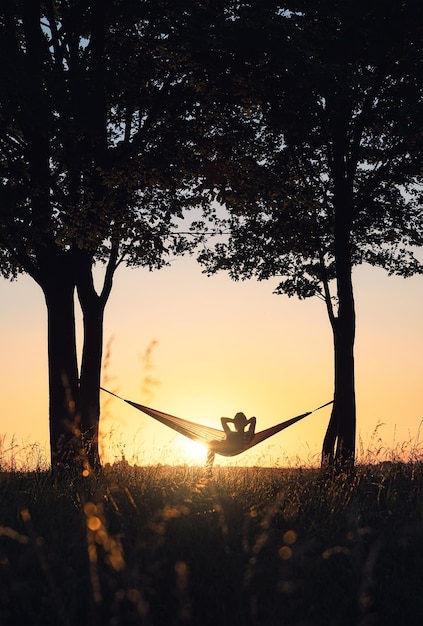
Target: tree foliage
{"x":93,"y":116}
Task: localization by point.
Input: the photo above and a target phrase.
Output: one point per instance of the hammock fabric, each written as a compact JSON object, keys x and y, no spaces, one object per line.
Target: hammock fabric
{"x":213,"y":438}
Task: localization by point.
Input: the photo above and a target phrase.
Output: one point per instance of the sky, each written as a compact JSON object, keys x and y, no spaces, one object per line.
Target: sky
{"x":202,"y":348}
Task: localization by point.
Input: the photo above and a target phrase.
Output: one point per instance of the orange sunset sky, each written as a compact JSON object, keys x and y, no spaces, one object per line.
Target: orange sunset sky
{"x":216,"y":347}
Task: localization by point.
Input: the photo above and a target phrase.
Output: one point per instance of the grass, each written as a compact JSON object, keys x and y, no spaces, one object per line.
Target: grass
{"x":251,"y":546}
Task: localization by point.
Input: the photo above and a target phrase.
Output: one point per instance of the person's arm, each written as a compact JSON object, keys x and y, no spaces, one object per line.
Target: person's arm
{"x":252,"y":421}
{"x":225,"y":421}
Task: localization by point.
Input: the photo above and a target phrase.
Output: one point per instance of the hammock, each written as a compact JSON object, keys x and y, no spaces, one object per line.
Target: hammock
{"x":213,"y":438}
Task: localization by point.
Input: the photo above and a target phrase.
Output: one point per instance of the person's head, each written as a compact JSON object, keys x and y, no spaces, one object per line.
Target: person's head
{"x":240,"y":421}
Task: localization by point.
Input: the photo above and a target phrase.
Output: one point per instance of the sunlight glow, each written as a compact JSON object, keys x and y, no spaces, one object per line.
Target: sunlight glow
{"x":267,"y":356}
{"x":190,"y":451}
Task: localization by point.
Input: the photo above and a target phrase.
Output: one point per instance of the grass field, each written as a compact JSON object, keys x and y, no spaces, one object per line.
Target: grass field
{"x":250,"y":546}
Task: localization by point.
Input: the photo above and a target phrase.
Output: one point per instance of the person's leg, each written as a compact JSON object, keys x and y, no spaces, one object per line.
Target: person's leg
{"x":209,"y":462}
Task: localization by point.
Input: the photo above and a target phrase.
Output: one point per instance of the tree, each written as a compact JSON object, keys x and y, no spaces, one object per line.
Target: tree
{"x":95,"y":167}
{"x":320,"y":167}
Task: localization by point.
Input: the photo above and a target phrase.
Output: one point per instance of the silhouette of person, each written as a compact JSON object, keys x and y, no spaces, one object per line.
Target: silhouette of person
{"x":236,"y":439}
{"x":239,"y":437}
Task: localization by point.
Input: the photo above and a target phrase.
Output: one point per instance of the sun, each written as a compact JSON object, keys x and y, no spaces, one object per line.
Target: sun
{"x":190,"y":450}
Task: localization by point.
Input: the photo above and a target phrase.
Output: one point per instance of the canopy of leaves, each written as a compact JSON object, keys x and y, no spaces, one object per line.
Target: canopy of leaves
{"x":95,"y":130}
{"x":329,"y":98}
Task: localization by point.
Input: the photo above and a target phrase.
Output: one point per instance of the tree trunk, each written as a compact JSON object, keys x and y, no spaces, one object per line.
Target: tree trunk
{"x":90,"y":378}
{"x":339,"y":442}
{"x":63,"y":373}
{"x":344,"y":337}
{"x":344,"y":398}
{"x":92,"y":306}
{"x":342,"y":425}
